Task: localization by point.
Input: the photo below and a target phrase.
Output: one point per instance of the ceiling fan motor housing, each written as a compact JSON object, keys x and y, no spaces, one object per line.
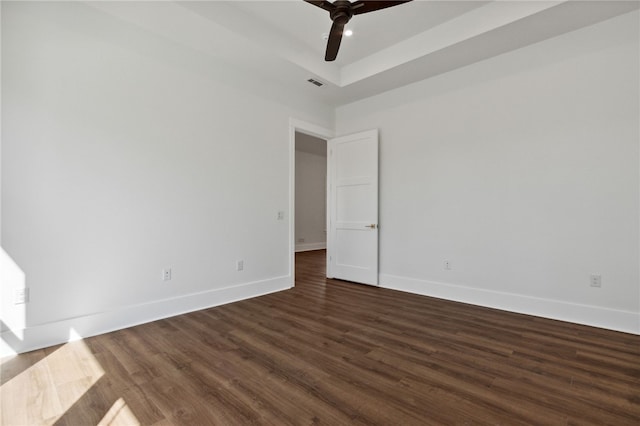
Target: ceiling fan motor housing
{"x":342,"y":12}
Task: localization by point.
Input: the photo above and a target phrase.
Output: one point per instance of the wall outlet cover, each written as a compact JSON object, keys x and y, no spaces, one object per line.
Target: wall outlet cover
{"x":166,"y":274}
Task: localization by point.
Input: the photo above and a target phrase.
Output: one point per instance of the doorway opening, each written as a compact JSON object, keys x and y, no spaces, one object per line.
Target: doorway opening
{"x":351,"y":207}
{"x":310,"y":193}
{"x":308,"y":189}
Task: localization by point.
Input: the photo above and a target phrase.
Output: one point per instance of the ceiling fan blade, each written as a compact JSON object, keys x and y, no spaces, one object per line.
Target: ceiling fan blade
{"x":365,"y":6}
{"x":323,"y":4}
{"x":333,"y":45}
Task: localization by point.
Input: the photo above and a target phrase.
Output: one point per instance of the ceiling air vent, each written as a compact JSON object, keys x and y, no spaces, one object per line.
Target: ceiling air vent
{"x":316,"y":82}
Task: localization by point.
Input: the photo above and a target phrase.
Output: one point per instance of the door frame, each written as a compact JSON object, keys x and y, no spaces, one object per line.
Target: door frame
{"x":296,"y":125}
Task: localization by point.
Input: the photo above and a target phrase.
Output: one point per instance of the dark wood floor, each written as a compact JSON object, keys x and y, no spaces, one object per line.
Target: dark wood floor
{"x":330,"y":352}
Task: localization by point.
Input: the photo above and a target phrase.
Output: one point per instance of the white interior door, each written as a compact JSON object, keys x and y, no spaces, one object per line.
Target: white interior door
{"x":352,"y":240}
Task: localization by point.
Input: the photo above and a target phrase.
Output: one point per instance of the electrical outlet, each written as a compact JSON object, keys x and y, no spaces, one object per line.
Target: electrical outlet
{"x":166,"y":274}
{"x":280,"y":215}
{"x":595,"y":280}
{"x":301,"y":240}
{"x":240,"y":265}
{"x":446,"y":265}
{"x":21,"y":296}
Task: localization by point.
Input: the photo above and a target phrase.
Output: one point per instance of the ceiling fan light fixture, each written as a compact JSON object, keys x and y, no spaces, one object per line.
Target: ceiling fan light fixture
{"x":340,"y":12}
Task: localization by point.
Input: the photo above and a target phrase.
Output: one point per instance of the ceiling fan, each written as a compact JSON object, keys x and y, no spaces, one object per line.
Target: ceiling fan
{"x":341,"y":12}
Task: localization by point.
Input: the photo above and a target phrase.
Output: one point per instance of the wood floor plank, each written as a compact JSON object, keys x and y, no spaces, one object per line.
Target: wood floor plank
{"x":331,"y":352}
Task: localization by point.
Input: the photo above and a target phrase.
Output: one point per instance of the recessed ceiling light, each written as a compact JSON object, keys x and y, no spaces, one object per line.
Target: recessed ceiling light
{"x":346,"y":33}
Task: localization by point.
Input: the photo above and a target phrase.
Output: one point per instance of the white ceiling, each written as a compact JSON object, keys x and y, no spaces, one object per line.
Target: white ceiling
{"x":282,"y":40}
{"x":372,"y":31}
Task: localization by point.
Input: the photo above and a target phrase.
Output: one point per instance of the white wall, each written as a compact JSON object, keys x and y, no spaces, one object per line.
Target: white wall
{"x":311,"y":197}
{"x":123,"y":155}
{"x":522,"y":171}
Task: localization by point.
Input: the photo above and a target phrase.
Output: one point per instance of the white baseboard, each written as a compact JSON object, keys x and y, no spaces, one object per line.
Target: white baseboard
{"x":49,"y":334}
{"x":625,"y":321}
{"x":310,"y":246}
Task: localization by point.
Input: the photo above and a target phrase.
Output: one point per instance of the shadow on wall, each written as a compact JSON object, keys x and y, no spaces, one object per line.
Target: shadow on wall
{"x":29,"y":382}
{"x":13,"y":310}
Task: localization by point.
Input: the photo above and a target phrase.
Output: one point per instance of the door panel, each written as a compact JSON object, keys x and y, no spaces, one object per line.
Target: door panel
{"x":353,"y":207}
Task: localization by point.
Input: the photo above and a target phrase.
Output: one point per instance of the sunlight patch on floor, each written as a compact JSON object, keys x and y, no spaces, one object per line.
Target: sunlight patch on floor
{"x":42,"y":393}
{"x":119,"y":414}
